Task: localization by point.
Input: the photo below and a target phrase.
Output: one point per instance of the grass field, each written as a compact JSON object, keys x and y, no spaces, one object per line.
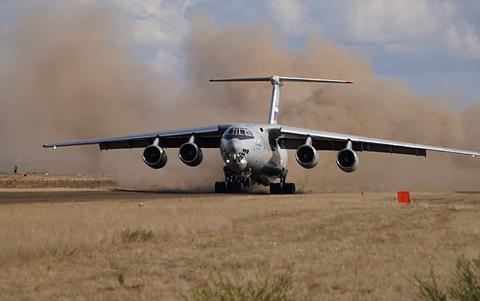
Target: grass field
{"x":42,"y":181}
{"x":104,"y":245}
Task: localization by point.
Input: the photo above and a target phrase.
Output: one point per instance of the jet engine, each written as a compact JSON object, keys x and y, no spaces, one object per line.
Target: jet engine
{"x":190,"y":154}
{"x":307,"y":156}
{"x":155,"y":156}
{"x":347,"y":159}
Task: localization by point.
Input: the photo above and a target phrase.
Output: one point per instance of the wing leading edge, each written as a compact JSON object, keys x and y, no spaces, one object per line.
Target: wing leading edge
{"x":292,"y":137}
{"x":205,"y":137}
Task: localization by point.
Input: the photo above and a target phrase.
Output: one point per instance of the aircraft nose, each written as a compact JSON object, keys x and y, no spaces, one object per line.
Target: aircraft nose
{"x":236,"y":165}
{"x":234,"y":155}
{"x":233,"y":146}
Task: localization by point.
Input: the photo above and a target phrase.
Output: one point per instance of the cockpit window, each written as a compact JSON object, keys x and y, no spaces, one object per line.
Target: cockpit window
{"x":240,"y":133}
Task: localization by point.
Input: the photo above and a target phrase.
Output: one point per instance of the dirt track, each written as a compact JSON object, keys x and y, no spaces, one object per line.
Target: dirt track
{"x":85,"y":195}
{"x":58,"y":195}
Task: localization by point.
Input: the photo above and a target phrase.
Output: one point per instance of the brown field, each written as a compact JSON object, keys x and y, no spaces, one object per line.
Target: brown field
{"x":35,"y":180}
{"x":69,"y":244}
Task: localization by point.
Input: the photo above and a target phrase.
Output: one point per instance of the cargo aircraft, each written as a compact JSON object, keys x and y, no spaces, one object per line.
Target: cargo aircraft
{"x":256,"y":153}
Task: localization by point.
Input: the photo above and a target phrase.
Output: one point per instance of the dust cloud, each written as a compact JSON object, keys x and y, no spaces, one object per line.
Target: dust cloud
{"x":67,"y":72}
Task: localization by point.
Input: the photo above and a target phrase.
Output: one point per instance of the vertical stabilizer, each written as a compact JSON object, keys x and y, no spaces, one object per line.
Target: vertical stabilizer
{"x":274,"y":101}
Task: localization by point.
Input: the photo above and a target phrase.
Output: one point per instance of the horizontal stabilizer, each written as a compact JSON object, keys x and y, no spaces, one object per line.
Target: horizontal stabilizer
{"x":277,"y":82}
{"x":279,"y":79}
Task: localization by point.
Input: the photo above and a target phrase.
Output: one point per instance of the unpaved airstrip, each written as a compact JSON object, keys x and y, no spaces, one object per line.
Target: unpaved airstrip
{"x":107,"y":244}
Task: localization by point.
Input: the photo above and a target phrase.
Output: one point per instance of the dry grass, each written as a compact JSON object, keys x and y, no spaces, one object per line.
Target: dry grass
{"x":38,"y":180}
{"x":464,"y":284}
{"x":338,"y":246}
{"x":265,"y":286}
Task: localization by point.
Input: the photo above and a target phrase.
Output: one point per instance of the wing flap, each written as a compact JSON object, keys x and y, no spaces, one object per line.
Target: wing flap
{"x":293,"y":137}
{"x":206,"y":137}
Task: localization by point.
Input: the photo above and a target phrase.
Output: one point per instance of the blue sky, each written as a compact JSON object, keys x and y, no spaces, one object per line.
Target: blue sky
{"x":433,"y":45}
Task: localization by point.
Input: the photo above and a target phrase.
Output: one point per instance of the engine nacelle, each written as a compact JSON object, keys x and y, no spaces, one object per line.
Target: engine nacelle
{"x":307,"y":156}
{"x":190,"y":154}
{"x":347,"y":160}
{"x":155,"y":156}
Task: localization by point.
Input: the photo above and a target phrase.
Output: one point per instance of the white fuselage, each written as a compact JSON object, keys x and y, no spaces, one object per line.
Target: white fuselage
{"x":247,"y":149}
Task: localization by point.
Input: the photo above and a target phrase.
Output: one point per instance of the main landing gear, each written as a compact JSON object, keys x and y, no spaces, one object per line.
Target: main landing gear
{"x":234,"y":183}
{"x":228,"y":187}
{"x":282,"y":188}
{"x":275,"y":188}
{"x":236,"y":187}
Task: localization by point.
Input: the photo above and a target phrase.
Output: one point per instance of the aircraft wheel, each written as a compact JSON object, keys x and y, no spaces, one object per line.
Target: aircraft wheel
{"x":275,"y":188}
{"x":289,"y":188}
{"x":220,"y":187}
{"x":234,"y":187}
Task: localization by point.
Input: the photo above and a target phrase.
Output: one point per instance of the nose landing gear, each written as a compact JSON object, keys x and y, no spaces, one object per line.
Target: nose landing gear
{"x":234,"y":182}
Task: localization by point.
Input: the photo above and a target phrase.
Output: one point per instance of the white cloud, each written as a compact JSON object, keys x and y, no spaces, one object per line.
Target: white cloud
{"x":288,"y":13}
{"x":412,"y":26}
{"x":157,"y":25}
{"x":396,"y":26}
{"x":155,"y":22}
{"x":292,"y":17}
{"x":464,"y":40}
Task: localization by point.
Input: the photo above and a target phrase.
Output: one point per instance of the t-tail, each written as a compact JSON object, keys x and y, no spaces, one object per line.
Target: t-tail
{"x":277,"y":81}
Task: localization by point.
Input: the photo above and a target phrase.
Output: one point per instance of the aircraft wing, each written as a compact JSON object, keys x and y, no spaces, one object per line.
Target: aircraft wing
{"x":205,"y":137}
{"x":292,"y":138}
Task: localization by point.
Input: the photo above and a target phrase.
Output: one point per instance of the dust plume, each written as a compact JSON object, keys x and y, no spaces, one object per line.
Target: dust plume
{"x":67,"y":72}
{"x":72,"y":75}
{"x":375,"y":106}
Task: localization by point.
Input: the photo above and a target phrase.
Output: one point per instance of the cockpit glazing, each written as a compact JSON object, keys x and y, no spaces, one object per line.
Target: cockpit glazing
{"x":239,"y":133}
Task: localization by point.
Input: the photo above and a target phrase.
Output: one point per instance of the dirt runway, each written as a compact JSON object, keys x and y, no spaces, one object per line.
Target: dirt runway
{"x":93,"y":195}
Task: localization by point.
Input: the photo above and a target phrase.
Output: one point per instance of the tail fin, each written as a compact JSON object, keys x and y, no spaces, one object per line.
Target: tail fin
{"x":277,"y":82}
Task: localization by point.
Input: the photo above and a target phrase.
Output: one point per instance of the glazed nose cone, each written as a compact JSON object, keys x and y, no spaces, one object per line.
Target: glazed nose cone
{"x":234,"y":158}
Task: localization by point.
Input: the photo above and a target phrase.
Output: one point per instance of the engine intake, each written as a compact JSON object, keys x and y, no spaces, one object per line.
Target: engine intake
{"x":155,"y":156}
{"x":347,"y":160}
{"x":190,"y":154}
{"x":307,"y":156}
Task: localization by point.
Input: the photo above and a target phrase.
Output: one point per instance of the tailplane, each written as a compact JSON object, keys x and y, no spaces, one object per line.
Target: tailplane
{"x":277,"y":82}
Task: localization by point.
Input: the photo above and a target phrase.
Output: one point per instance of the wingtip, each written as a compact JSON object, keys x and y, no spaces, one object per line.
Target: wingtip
{"x":349,"y":82}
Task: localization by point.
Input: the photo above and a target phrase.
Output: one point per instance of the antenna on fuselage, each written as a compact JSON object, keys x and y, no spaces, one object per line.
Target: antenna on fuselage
{"x":277,"y":82}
